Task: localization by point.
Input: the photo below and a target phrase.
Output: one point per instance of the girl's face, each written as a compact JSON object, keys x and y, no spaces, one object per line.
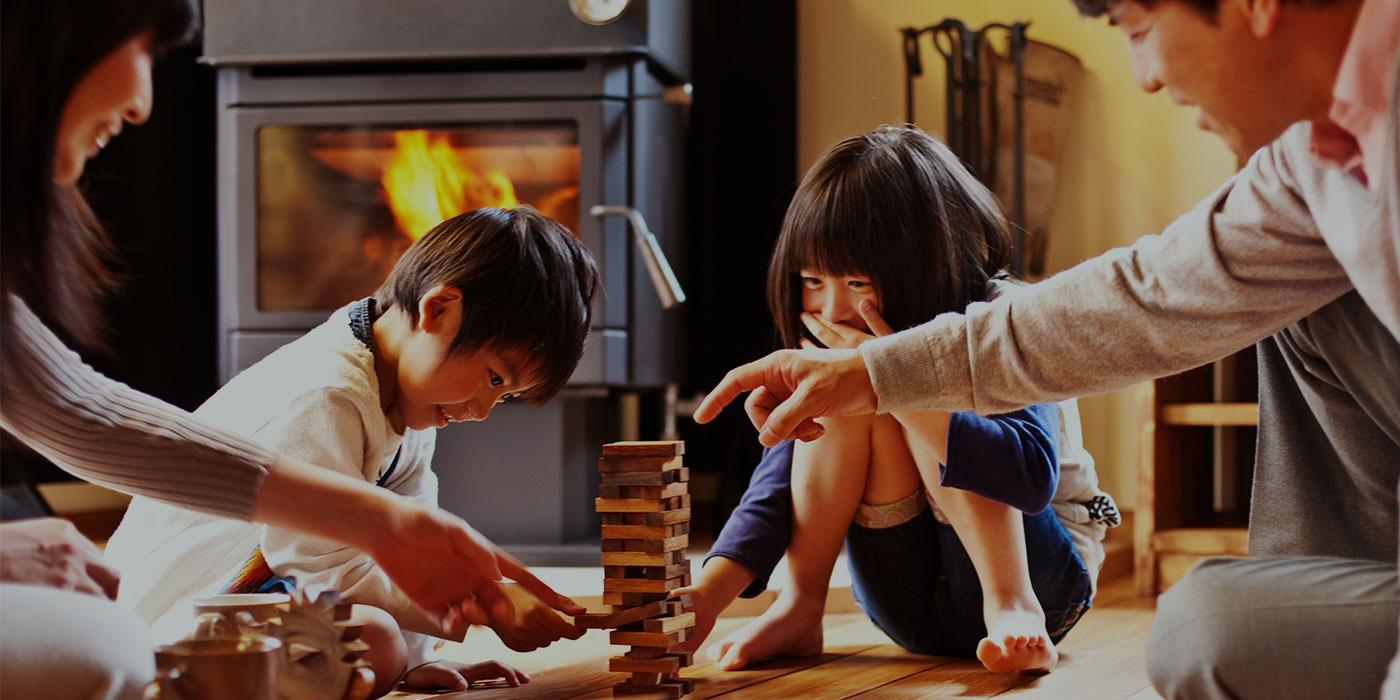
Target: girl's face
{"x":115,"y":91}
{"x":837,"y":298}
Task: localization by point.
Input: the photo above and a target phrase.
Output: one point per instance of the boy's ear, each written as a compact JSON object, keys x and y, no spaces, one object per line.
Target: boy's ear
{"x":439,"y":308}
{"x":1262,"y":16}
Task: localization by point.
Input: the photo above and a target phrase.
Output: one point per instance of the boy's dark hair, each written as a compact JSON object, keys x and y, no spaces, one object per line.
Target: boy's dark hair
{"x":527,"y":286}
{"x":53,"y":253}
{"x":897,"y":205}
{"x":1207,"y":8}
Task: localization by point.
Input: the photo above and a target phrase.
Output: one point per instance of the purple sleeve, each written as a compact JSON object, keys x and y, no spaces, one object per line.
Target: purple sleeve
{"x":758,"y":531}
{"x":1010,"y":458}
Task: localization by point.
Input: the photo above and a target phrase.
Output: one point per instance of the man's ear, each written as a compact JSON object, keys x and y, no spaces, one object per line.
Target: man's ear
{"x":1262,"y":15}
{"x":439,"y":308}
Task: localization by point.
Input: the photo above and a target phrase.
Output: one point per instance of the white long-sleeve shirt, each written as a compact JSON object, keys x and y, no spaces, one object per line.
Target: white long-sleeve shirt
{"x":316,"y":399}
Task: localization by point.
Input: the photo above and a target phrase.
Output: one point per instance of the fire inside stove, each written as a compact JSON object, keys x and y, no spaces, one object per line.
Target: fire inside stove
{"x":338,"y":205}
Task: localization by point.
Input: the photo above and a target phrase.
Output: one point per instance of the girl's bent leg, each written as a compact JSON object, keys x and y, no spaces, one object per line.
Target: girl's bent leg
{"x":994,"y":538}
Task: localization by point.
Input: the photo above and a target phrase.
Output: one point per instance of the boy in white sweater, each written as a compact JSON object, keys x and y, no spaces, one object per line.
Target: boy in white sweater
{"x":489,"y":306}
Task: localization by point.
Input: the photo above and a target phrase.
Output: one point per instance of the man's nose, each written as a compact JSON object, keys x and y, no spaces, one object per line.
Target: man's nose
{"x":1146,"y":77}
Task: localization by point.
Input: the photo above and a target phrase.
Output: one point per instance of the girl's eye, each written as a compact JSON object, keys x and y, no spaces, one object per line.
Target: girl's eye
{"x":496,"y":379}
{"x":859,"y":285}
{"x":811,"y":282}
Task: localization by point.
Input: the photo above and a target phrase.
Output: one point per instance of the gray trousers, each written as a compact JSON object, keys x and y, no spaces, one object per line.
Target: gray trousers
{"x":61,"y":645}
{"x":1314,"y":614}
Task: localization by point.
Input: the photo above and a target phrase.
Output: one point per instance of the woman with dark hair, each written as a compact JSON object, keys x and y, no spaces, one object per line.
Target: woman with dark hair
{"x":74,"y":72}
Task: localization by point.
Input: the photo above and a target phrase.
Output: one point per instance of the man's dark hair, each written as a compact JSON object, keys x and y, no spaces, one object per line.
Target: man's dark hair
{"x":53,"y":253}
{"x":897,"y":205}
{"x":527,"y":286}
{"x":1207,"y":8}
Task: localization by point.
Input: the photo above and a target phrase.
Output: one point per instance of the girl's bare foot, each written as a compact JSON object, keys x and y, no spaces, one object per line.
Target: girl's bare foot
{"x":792,"y":626}
{"x":1016,"y":641}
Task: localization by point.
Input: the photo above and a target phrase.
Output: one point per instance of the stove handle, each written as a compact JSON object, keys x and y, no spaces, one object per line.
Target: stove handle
{"x":667,"y":288}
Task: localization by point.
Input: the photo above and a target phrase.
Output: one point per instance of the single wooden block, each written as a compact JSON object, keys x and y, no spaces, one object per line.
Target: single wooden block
{"x":661,"y":478}
{"x":687,"y":684}
{"x":634,"y":559}
{"x":669,"y":517}
{"x":646,"y":652}
{"x":633,"y":505}
{"x":644,"y":532}
{"x":644,"y":585}
{"x":622,"y":601}
{"x":648,"y":448}
{"x":651,"y":572}
{"x":640,"y":464}
{"x":614,"y":518}
{"x":660,"y":664}
{"x":617,"y":619}
{"x":651,"y":546}
{"x":611,"y":545}
{"x":649,"y":639}
{"x":669,"y":624}
{"x":683,"y":658}
{"x":650,"y":492}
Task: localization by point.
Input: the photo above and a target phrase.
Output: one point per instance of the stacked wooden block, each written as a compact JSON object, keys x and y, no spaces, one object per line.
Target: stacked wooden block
{"x":645,"y":502}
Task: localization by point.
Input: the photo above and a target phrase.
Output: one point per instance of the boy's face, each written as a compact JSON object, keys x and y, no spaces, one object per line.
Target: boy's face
{"x":836,"y":298}
{"x":435,"y":388}
{"x":1226,"y":69}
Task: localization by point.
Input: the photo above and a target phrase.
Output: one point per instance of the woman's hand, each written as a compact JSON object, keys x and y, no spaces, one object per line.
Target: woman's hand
{"x":51,"y":552}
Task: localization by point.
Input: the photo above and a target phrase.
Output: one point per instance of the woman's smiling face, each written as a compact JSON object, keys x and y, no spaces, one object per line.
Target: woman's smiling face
{"x":115,"y":91}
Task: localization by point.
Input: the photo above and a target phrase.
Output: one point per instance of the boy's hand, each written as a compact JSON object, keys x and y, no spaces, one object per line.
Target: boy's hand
{"x":535,"y":624}
{"x":452,"y":675}
{"x":51,"y":552}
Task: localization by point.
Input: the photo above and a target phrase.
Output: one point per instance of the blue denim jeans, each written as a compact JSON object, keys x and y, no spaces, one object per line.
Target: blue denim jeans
{"x":918,"y":585}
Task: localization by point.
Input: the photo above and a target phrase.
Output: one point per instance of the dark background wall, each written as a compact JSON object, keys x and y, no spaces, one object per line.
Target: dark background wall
{"x":154,"y":186}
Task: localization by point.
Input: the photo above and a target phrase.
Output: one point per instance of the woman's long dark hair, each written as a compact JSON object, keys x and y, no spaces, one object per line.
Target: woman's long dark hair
{"x":53,"y":253}
{"x":894,"y":204}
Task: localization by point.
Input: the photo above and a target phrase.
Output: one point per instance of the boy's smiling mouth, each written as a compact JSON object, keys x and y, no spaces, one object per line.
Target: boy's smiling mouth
{"x":445,"y":417}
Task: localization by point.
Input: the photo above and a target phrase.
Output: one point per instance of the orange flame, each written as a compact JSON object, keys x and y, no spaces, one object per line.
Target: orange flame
{"x":429,"y":182}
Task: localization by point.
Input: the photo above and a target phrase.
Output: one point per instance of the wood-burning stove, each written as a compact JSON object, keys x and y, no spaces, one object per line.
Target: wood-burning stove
{"x":336,"y":121}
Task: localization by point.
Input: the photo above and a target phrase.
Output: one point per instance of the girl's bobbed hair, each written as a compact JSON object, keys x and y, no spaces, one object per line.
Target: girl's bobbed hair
{"x":896,"y":205}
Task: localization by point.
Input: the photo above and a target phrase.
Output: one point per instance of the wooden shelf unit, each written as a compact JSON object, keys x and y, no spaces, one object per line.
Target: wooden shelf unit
{"x":1197,"y":465}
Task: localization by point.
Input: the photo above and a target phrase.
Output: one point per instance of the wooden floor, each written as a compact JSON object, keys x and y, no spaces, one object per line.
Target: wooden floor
{"x":1102,"y":658}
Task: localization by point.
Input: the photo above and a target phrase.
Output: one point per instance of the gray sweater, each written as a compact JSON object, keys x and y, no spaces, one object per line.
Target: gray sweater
{"x":1282,"y":238}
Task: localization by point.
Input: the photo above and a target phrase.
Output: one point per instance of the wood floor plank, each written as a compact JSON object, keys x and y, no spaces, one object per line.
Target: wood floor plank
{"x":1103,"y":657}
{"x":955,"y":678}
{"x":840,"y":678}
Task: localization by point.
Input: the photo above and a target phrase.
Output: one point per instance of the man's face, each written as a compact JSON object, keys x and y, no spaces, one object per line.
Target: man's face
{"x":1223,"y":69}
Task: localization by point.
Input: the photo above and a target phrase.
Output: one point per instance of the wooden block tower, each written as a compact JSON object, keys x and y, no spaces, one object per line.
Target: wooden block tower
{"x":645,"y":502}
